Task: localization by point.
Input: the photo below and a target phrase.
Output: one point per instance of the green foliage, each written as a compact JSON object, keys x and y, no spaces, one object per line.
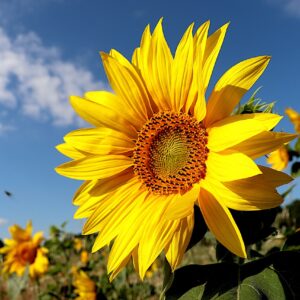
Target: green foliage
{"x":269,"y":273}
{"x":255,"y":105}
{"x":295,"y":170}
{"x":274,"y":277}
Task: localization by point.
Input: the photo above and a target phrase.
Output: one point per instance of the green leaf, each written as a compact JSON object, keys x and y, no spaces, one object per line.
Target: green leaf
{"x":295,"y":170}
{"x":275,"y":277}
{"x":255,"y":225}
{"x":292,"y":242}
{"x":290,"y":189}
{"x":294,"y":212}
{"x":255,"y":105}
{"x":297,"y":146}
{"x":199,"y":229}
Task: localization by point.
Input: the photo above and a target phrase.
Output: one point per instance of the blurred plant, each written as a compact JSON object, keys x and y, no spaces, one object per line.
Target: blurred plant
{"x":294,"y":118}
{"x":279,"y":158}
{"x":24,"y":251}
{"x":85,"y":287}
{"x":255,"y":105}
{"x":78,"y":245}
{"x":84,"y":257}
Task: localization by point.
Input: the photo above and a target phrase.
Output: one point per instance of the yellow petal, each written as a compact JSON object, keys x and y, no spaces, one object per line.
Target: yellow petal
{"x":181,"y":206}
{"x":144,"y":51}
{"x":103,"y":109}
{"x":132,"y":230}
{"x":232,"y":86}
{"x":95,"y":167}
{"x":263,"y":143}
{"x":113,"y":224}
{"x":235,"y":129}
{"x":105,"y":206}
{"x":159,"y":68}
{"x":230,"y":166}
{"x":135,"y":259}
{"x":180,"y":240}
{"x":212,"y":49}
{"x":182,"y":70}
{"x":279,"y":159}
{"x":294,"y":117}
{"x":246,"y":194}
{"x":95,"y":189}
{"x":274,"y":178}
{"x":221,"y":223}
{"x":196,"y":96}
{"x":38,"y":238}
{"x":155,"y":237}
{"x":118,"y":269}
{"x":128,"y":86}
{"x":82,"y":194}
{"x":100,"y":141}
{"x":19,"y":234}
{"x":120,"y":58}
{"x":69,"y":151}
{"x":136,"y":57}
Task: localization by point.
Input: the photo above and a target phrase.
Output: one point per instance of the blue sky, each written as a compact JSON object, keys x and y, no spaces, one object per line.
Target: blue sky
{"x":49,"y":50}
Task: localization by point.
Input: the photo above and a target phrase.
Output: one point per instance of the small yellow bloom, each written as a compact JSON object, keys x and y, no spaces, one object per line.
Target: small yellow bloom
{"x":294,"y":117}
{"x":84,"y":257}
{"x":85,"y":287}
{"x":279,"y":158}
{"x":24,"y":250}
{"x":78,"y":245}
{"x":156,"y":148}
{"x":152,"y":270}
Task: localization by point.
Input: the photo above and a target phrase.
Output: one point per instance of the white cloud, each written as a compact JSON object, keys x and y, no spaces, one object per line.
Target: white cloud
{"x":3,"y":221}
{"x":291,"y":7}
{"x":4,"y":128}
{"x":35,"y":80}
{"x":13,"y":9}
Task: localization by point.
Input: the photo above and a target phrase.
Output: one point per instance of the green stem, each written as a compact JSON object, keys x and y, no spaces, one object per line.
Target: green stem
{"x":168,"y":279}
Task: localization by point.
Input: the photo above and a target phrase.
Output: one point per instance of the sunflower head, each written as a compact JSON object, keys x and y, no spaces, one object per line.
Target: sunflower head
{"x":78,"y":245}
{"x":85,"y":287}
{"x":159,"y":145}
{"x":294,"y":118}
{"x":279,"y":158}
{"x":23,"y":251}
{"x":84,"y":257}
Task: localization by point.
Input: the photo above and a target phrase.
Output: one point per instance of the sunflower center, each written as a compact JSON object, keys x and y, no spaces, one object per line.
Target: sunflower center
{"x":170,"y":153}
{"x":27,"y":253}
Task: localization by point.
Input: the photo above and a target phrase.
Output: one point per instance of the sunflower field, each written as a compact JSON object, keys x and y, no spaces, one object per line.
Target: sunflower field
{"x":177,"y":197}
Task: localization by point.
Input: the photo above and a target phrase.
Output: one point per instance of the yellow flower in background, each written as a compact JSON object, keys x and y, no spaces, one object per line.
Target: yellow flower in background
{"x":279,"y":158}
{"x":152,"y":270}
{"x":24,"y":251}
{"x":78,"y":245}
{"x":85,"y":287}
{"x":294,"y":117}
{"x":157,"y":149}
{"x":84,"y":257}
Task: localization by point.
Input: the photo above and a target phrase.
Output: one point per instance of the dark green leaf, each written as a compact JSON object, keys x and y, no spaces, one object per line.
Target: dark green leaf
{"x":199,"y":229}
{"x":297,"y":146}
{"x":292,"y":242}
{"x":275,"y":277}
{"x":255,"y":225}
{"x":288,"y":191}
{"x":295,"y":170}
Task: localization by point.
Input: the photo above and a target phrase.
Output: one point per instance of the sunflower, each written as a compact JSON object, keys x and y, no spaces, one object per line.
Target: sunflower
{"x":84,"y":257}
{"x":85,"y":287}
{"x":279,"y":158}
{"x":157,"y":149}
{"x":23,"y":251}
{"x":294,"y":118}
